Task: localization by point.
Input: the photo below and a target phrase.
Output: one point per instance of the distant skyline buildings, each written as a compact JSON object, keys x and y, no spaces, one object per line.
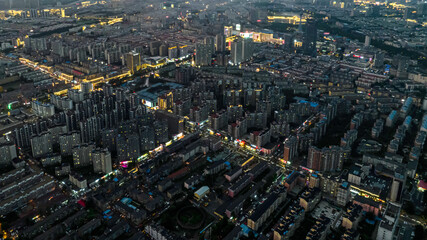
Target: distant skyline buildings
{"x":310,"y":37}
{"x":23,"y":4}
{"x":203,"y":54}
{"x":220,"y":43}
{"x":131,"y":107}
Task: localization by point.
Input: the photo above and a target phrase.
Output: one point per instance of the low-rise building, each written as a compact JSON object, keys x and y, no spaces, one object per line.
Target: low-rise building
{"x":352,"y":216}
{"x":310,"y":198}
{"x":258,"y":169}
{"x":293,"y":179}
{"x":265,"y":209}
{"x":286,"y":228}
{"x":367,"y":204}
{"x":234,"y":189}
{"x":173,"y":191}
{"x":350,"y":234}
{"x":165,"y":184}
{"x":320,"y":229}
{"x":136,"y":215}
{"x":215,"y":167}
{"x":88,"y":228}
{"x":233,"y":174}
{"x":158,"y":232}
{"x":192,"y":181}
{"x":78,"y":180}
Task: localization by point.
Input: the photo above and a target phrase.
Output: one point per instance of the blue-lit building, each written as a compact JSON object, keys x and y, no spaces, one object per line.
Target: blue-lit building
{"x":407,"y":122}
{"x":391,"y":119}
{"x":406,"y":107}
{"x":424,"y":124}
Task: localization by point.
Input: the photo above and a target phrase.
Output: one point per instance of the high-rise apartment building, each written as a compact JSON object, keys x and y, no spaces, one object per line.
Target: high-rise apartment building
{"x":101,"y":160}
{"x":7,"y":152}
{"x":327,"y":159}
{"x":133,"y":61}
{"x":128,"y":147}
{"x":203,"y":55}
{"x":82,"y":155}
{"x":241,"y":50}
{"x":41,"y":144}
{"x":290,"y":149}
{"x":67,"y":142}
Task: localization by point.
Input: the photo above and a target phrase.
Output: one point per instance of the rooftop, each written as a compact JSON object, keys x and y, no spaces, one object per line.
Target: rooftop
{"x":262,"y":208}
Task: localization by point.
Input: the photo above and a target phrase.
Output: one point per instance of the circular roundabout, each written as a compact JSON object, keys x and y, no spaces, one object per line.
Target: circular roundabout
{"x":190,"y":218}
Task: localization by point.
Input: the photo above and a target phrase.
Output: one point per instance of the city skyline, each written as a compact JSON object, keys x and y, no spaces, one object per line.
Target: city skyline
{"x":225,"y":119}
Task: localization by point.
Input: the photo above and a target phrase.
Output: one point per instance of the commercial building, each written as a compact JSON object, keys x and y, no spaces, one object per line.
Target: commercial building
{"x":367,"y":204}
{"x":201,"y":193}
